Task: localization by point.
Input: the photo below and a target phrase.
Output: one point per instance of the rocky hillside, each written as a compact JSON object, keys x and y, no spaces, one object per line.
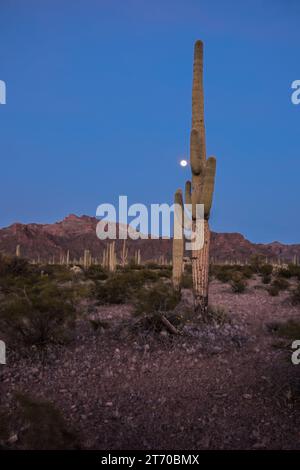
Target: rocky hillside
{"x":78,"y":233}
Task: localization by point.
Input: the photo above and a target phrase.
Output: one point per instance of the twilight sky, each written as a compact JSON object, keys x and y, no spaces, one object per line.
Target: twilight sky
{"x":99,"y":105}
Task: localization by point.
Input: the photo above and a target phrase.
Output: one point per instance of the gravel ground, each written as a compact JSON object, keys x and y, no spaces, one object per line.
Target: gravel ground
{"x":224,"y":387}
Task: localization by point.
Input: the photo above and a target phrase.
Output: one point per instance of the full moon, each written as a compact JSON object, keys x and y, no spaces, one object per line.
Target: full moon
{"x":183,"y":163}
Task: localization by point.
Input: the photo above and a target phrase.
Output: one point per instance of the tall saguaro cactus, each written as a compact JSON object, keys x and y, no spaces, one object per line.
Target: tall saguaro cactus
{"x":200,"y":190}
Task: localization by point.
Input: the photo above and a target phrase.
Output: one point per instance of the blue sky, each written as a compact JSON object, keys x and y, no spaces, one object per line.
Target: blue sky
{"x":99,"y":104}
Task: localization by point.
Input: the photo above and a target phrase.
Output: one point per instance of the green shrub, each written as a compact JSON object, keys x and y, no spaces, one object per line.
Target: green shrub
{"x":295,"y":296}
{"x":96,"y":272}
{"x":273,"y":290}
{"x":292,"y":270}
{"x":280,"y":283}
{"x":151,"y":304}
{"x":218,"y":315}
{"x":40,"y":316}
{"x":289,"y":329}
{"x":238,"y":284}
{"x":13,"y":266}
{"x":266,"y":279}
{"x":256,"y":262}
{"x":121,"y":287}
{"x":266,"y":270}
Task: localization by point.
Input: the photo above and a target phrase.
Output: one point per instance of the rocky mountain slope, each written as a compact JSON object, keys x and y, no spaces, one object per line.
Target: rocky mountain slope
{"x":76,"y":234}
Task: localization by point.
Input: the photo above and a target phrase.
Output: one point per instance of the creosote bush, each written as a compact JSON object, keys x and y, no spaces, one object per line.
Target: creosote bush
{"x":37,"y":316}
{"x":217,"y":315}
{"x":238,"y":284}
{"x":295,"y":296}
{"x":153,"y":303}
{"x":121,"y":287}
{"x":289,"y":329}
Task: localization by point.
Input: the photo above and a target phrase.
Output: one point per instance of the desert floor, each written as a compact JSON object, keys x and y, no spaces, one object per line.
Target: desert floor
{"x":227,"y":387}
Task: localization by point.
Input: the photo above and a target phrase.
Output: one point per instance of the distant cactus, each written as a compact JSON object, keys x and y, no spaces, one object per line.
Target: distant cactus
{"x":87,"y":260}
{"x":200,"y":189}
{"x":178,"y":241}
{"x":18,"y":251}
{"x":137,"y":257}
{"x":109,"y":259}
{"x":124,"y":254}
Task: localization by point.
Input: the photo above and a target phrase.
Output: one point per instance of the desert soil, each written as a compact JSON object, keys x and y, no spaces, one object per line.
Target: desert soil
{"x":222,"y":388}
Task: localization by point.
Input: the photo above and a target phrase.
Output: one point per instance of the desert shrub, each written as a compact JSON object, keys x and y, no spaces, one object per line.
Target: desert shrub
{"x":289,"y":329}
{"x":44,"y":426}
{"x":121,"y":287}
{"x":238,"y":284}
{"x":96,"y":272}
{"x":37,"y":317}
{"x":266,"y":269}
{"x":13,"y":266}
{"x":280,"y":283}
{"x":246,"y":271}
{"x":152,"y":265}
{"x":266,"y":279}
{"x":187,"y":281}
{"x":217,"y":315}
{"x":256,"y":262}
{"x":152,"y":304}
{"x":273,"y":290}
{"x":58,"y":272}
{"x":295,"y":296}
{"x":223,"y":273}
{"x":284,"y":273}
{"x":292,"y":270}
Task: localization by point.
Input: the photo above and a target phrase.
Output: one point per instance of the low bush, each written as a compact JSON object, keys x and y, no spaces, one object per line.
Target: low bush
{"x":96,"y":272}
{"x":266,"y":279}
{"x":289,"y":329}
{"x":295,"y":296}
{"x":238,"y":284}
{"x":280,"y":283}
{"x":121,"y":287}
{"x":152,"y":306}
{"x":39,"y":316}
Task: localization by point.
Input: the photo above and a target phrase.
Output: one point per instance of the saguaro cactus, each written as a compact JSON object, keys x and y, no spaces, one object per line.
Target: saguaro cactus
{"x":178,"y":241}
{"x":200,"y":191}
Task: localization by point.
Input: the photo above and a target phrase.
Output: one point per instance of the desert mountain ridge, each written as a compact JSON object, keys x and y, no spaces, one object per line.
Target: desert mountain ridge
{"x":77,"y":233}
